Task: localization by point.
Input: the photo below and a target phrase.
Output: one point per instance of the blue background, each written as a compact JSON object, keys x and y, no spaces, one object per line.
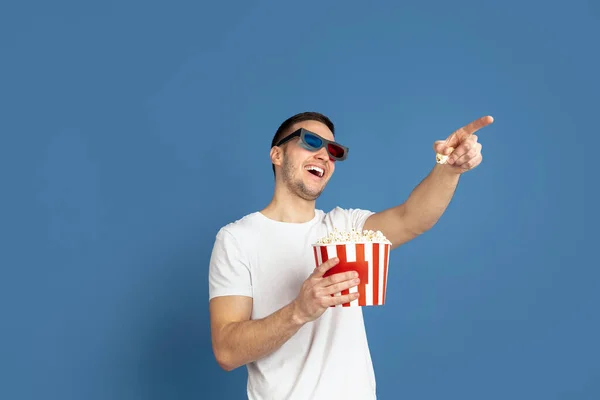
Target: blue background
{"x":116,"y":175}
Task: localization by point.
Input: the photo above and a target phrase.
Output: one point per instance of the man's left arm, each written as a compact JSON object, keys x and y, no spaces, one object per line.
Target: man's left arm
{"x":430,"y":198}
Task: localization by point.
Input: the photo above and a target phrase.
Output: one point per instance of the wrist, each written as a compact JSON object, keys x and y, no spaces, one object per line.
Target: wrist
{"x":448,"y":170}
{"x":295,"y":314}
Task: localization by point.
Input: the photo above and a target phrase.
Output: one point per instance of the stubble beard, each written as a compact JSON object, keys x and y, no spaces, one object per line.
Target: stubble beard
{"x":297,"y":186}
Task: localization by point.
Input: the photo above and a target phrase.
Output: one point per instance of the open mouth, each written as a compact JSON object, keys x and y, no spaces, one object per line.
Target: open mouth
{"x":316,"y":171}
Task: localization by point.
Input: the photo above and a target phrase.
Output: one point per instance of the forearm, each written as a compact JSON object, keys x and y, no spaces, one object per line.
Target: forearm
{"x":243,"y":342}
{"x":430,"y":198}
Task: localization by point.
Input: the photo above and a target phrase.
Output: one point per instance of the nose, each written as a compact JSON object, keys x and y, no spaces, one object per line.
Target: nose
{"x":322,"y":154}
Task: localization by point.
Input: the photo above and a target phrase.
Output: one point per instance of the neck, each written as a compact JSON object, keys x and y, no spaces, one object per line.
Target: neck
{"x":287,"y":207}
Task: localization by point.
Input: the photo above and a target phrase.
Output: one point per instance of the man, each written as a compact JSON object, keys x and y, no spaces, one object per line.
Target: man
{"x":270,"y":308}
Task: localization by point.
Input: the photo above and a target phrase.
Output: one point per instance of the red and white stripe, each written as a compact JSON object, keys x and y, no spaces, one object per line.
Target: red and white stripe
{"x":370,"y":260}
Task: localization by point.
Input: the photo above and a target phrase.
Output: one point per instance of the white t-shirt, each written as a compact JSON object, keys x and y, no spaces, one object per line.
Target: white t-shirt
{"x":268,"y":260}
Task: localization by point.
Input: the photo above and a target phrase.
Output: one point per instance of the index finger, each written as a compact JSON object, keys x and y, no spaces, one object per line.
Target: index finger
{"x":474,"y":126}
{"x":326,"y":266}
{"x":459,"y":135}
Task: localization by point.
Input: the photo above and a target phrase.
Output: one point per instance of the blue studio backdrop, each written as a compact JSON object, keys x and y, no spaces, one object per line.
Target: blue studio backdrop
{"x":132,"y":131}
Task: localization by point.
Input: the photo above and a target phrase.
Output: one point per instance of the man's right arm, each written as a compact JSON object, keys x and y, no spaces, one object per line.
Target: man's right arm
{"x":237,"y":340}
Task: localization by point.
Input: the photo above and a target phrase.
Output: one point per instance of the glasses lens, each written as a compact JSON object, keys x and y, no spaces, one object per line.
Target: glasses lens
{"x":335,"y":150}
{"x":313,"y":140}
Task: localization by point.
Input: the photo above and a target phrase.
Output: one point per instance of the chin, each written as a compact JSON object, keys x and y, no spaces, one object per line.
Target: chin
{"x":304,"y":192}
{"x":310,"y":197}
{"x":312,"y":194}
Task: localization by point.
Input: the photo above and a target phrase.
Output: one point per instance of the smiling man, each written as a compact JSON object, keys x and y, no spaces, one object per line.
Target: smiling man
{"x":270,"y":308}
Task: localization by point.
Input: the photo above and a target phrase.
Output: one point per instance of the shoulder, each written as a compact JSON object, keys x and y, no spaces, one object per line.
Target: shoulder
{"x":339,"y":213}
{"x":241,"y":228}
{"x":347,"y":218}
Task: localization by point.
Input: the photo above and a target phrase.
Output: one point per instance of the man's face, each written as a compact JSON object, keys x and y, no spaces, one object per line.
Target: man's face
{"x":296,"y":165}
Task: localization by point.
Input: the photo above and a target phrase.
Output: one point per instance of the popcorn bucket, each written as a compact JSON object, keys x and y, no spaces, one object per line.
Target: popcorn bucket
{"x":369,"y":259}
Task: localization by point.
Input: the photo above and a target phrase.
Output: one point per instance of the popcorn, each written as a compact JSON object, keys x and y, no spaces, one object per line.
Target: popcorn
{"x":353,"y":236}
{"x":440,"y":158}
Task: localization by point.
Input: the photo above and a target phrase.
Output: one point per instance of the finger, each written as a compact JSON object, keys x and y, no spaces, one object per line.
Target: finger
{"x":337,"y":278}
{"x":440,"y":147}
{"x":460,"y":151}
{"x":472,"y":163}
{"x":326,"y":266}
{"x":473,"y":127}
{"x":464,"y":147}
{"x":452,"y":141}
{"x":469,"y":155}
{"x":338,"y":287}
{"x":346,"y":298}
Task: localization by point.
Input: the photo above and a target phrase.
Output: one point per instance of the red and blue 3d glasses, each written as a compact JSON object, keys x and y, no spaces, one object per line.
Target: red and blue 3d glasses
{"x":313,"y":142}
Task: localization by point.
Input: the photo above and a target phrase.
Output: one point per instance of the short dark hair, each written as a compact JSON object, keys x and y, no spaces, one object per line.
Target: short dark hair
{"x":304,"y":116}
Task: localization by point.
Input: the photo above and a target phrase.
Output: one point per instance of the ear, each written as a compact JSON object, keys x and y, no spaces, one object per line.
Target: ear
{"x":276,"y":155}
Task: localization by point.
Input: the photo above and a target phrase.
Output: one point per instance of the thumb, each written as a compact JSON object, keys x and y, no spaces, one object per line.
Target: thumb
{"x":442,"y":147}
{"x":326,"y":266}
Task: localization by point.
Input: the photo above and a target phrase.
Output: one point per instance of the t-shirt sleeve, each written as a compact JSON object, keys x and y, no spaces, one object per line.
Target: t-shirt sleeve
{"x":229,"y":271}
{"x":358,"y":217}
{"x":348,"y":219}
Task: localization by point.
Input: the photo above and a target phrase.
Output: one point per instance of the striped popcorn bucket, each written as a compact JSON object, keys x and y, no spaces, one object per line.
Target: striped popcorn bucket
{"x":369,"y":259}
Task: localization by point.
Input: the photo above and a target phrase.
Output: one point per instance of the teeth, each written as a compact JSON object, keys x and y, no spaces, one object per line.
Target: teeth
{"x":313,"y":168}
